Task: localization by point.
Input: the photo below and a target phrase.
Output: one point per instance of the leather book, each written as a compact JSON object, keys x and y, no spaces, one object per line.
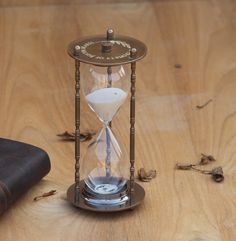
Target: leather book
{"x":21,"y":166}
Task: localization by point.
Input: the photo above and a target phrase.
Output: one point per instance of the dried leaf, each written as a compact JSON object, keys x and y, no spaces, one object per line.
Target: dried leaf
{"x":194,"y":168}
{"x":178,"y":66}
{"x":67,"y":136}
{"x":211,"y":158}
{"x":217,"y":174}
{"x":151,"y":174}
{"x":205,"y":159}
{"x":146,"y":176}
{"x":46,"y":194}
{"x":86,"y":136}
{"x":179,"y":166}
{"x":70,"y":136}
{"x":204,"y":105}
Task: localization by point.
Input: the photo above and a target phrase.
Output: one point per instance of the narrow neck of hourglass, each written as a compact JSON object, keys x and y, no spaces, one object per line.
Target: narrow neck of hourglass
{"x":106,"y":124}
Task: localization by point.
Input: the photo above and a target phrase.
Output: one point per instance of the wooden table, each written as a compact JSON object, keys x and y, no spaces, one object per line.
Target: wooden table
{"x":191,"y":59}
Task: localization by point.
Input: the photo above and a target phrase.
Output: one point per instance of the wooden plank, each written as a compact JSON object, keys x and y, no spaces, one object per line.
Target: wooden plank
{"x":37,"y":102}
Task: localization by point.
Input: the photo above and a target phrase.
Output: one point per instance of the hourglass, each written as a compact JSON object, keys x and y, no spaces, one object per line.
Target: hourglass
{"x":108,"y":174}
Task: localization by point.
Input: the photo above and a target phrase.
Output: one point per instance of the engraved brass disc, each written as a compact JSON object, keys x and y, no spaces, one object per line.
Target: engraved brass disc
{"x":90,"y":50}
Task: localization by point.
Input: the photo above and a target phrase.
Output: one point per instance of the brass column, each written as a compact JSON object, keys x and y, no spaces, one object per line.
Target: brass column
{"x":132,"y":120}
{"x":77,"y":127}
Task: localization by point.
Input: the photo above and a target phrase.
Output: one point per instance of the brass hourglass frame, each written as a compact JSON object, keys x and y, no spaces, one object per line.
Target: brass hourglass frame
{"x":106,"y":51}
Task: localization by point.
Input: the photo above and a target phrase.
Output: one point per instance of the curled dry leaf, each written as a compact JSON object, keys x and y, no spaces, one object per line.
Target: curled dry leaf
{"x":217,"y":174}
{"x":178,"y":66}
{"x":204,"y":105}
{"x":46,"y":194}
{"x":179,"y":166}
{"x":211,"y":158}
{"x":146,"y":176}
{"x":205,"y":159}
{"x":86,"y":136}
{"x":70,"y":136}
{"x":67,"y":136}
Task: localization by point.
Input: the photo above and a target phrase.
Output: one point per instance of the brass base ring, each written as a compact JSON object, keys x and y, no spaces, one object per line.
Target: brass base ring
{"x":127,"y":201}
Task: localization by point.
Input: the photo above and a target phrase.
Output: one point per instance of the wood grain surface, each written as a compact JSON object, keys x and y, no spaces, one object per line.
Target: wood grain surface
{"x":37,"y":102}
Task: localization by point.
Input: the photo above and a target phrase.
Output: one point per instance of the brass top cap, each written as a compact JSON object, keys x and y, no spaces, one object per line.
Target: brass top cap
{"x":98,"y":50}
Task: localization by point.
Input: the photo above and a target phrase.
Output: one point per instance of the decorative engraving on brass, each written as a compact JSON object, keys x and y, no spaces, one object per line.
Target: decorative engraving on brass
{"x":87,"y":49}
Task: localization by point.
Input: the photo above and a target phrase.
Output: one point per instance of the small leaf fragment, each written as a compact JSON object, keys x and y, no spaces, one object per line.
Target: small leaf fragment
{"x":211,"y":158}
{"x":146,"y":176}
{"x":46,"y":194}
{"x":184,"y":166}
{"x":217,"y":174}
{"x":204,"y":105}
{"x":205,"y":159}
{"x":70,"y":136}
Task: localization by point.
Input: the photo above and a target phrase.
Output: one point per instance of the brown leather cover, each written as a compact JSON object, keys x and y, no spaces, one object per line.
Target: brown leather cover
{"x":21,"y":166}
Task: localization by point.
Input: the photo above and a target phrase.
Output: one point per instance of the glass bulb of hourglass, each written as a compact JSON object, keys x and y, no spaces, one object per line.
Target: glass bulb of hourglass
{"x":106,"y":101}
{"x":105,"y":163}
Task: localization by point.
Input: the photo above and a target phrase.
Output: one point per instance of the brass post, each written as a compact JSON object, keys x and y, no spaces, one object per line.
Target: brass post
{"x":110,"y":34}
{"x":109,"y":72}
{"x":132,"y":120}
{"x":77,"y":126}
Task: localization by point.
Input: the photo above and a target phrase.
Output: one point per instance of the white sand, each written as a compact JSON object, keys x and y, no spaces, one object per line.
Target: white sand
{"x":105,"y":102}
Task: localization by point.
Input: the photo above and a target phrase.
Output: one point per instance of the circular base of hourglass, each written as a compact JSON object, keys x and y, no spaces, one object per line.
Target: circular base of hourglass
{"x":121,"y":201}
